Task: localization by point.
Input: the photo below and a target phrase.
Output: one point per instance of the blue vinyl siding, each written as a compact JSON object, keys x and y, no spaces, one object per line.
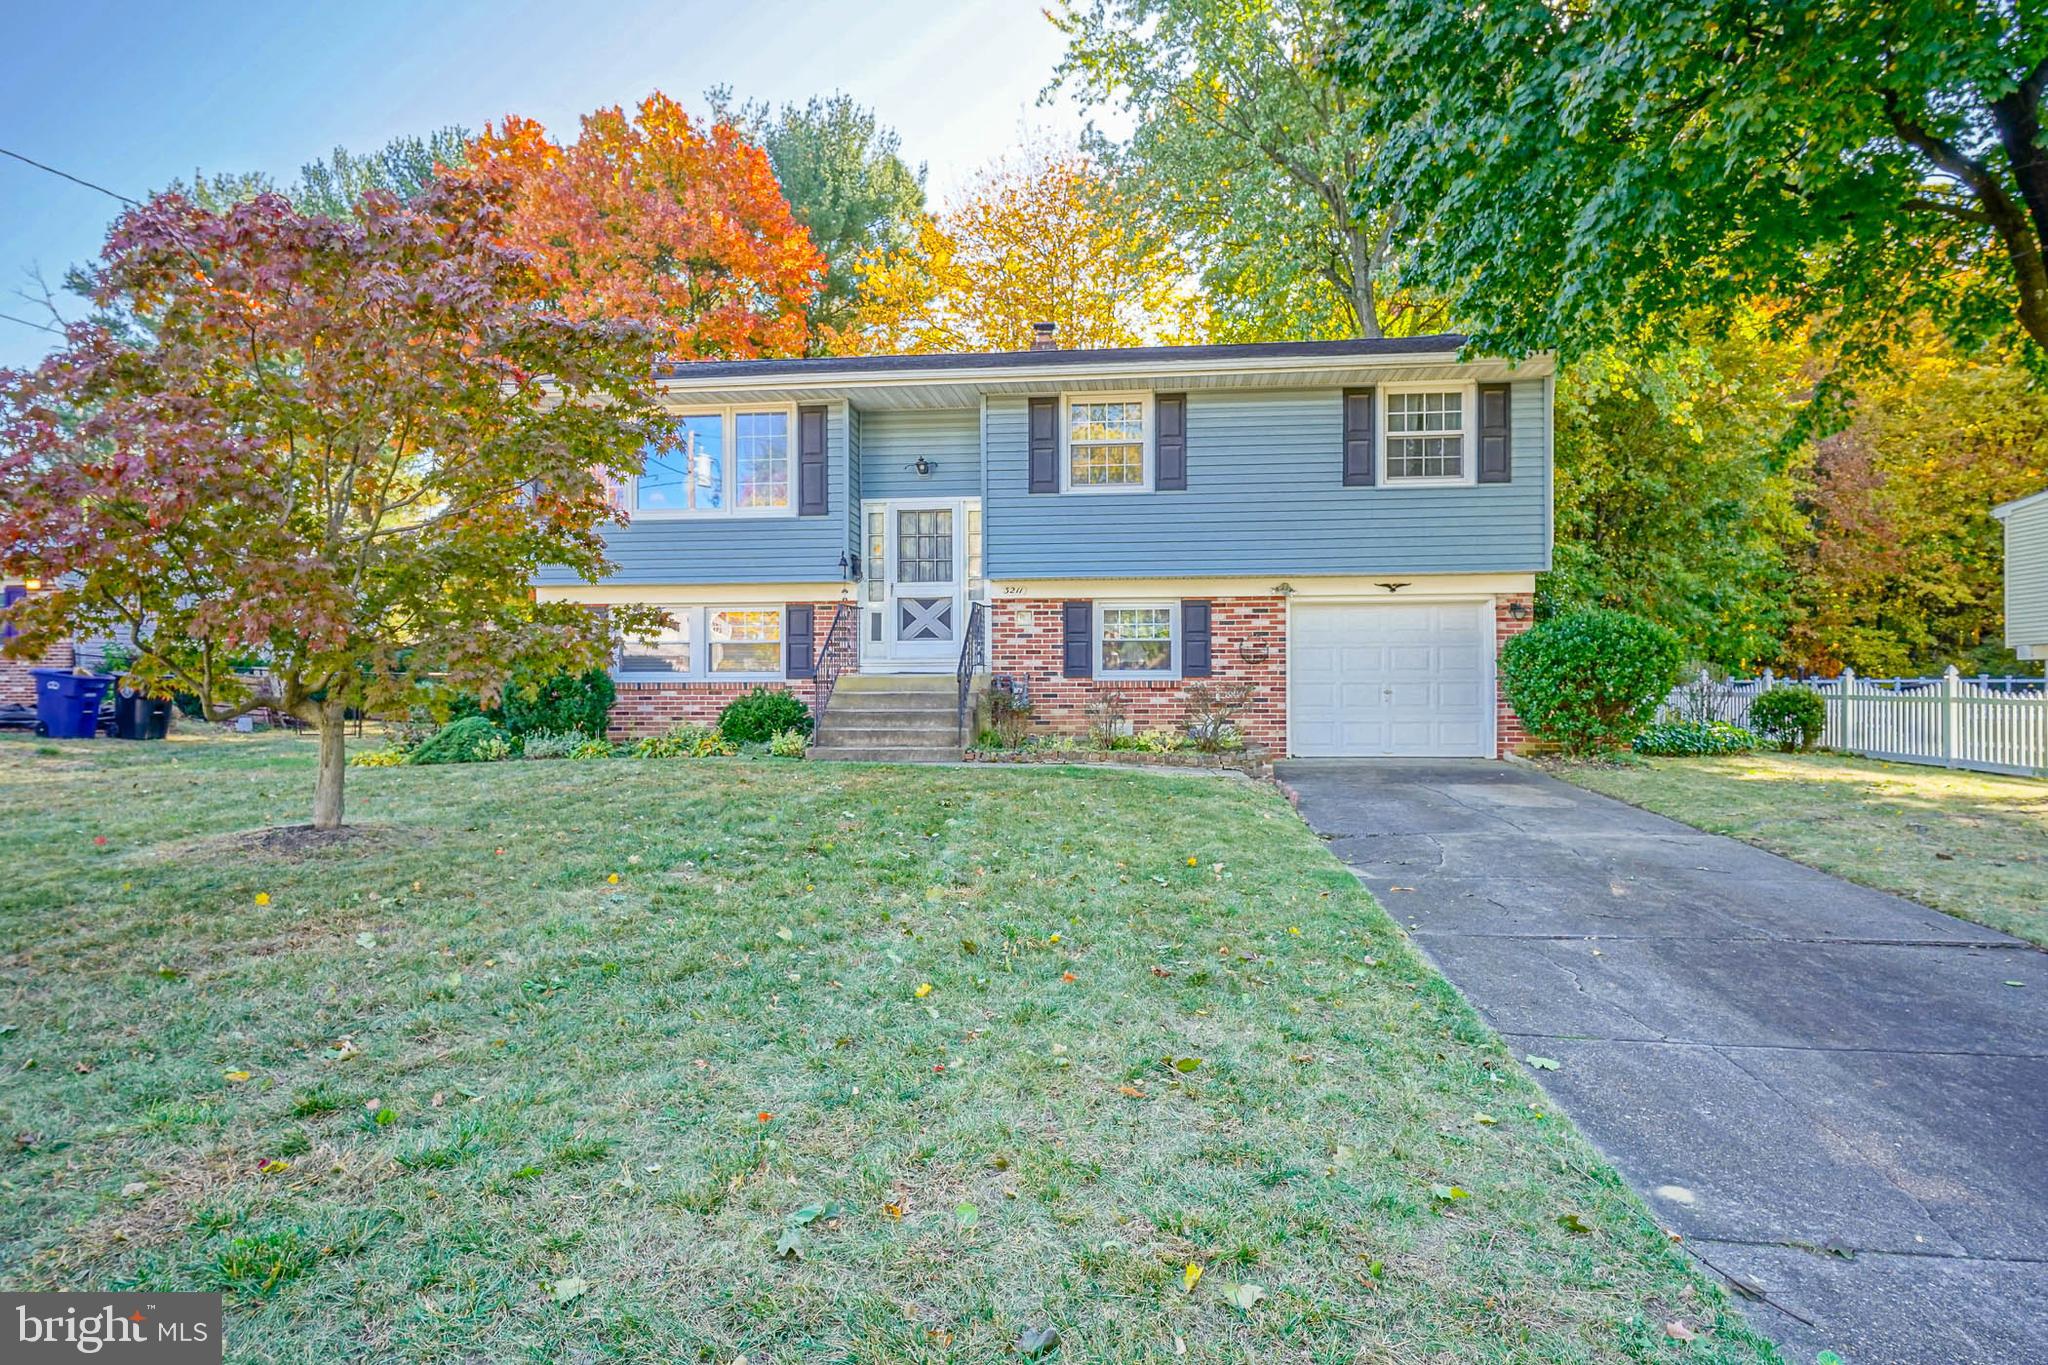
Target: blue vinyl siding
{"x":892,"y":441}
{"x":780,"y":549}
{"x":1265,"y":495}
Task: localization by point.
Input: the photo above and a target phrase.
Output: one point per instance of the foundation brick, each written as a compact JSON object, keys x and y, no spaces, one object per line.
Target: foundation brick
{"x":1510,"y":737}
{"x":1248,"y":645}
{"x":653,"y":708}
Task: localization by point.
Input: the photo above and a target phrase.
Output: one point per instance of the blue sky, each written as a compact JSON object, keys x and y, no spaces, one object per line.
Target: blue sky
{"x":133,"y":95}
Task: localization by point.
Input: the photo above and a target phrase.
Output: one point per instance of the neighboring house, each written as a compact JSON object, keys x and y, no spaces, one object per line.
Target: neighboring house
{"x":1350,"y":528}
{"x":2026,"y":574}
{"x":17,"y":686}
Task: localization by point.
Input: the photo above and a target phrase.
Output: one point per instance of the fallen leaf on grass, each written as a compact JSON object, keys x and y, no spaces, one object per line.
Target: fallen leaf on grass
{"x":1034,"y":1342}
{"x":1678,"y":1331}
{"x":1541,"y":1063}
{"x":1184,"y":1065}
{"x":968,"y":1217}
{"x":366,"y":939}
{"x":570,"y":1289}
{"x":236,"y":1076}
{"x":1243,"y":1297}
{"x":1486,"y":1120}
{"x":1130,"y":1091}
{"x":924,"y":988}
{"x":1190,"y":1277}
{"x":789,"y":1245}
{"x":1572,"y":1222}
{"x":1449,"y":1193}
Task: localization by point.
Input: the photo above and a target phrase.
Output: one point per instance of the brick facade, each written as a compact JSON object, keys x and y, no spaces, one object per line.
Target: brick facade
{"x":652,"y":708}
{"x":1509,"y":736}
{"x":1248,"y":644}
{"x":17,"y":687}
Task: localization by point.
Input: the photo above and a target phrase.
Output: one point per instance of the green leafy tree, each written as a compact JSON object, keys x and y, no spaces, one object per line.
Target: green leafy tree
{"x":846,"y":182}
{"x":404,"y":167}
{"x":1249,"y":151}
{"x":1904,"y":572}
{"x":343,"y":446}
{"x":1677,"y":489}
{"x":1584,"y":172}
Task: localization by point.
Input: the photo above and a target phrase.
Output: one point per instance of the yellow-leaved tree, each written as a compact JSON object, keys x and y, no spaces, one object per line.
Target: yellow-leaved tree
{"x":1044,"y":237}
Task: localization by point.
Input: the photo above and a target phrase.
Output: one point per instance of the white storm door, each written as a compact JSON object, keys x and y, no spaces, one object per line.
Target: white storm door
{"x":925,"y":585}
{"x":1408,"y":680}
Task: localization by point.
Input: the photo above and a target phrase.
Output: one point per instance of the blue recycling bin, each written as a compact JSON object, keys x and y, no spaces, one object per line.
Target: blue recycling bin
{"x":67,"y":703}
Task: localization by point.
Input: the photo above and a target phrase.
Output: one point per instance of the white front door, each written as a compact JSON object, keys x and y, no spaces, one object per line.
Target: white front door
{"x":914,"y":599}
{"x":1412,"y":679}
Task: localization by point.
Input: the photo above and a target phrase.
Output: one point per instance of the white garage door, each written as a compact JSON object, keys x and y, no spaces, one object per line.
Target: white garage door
{"x":1407,"y":679}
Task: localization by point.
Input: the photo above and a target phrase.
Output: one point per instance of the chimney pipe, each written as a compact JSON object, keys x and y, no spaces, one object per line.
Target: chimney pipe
{"x":1041,"y":336}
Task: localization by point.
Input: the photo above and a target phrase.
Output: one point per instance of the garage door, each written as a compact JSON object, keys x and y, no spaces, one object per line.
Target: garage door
{"x":1405,"y":679}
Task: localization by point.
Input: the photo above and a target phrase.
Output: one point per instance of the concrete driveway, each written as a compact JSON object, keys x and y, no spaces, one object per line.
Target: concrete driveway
{"x":1832,"y":1093}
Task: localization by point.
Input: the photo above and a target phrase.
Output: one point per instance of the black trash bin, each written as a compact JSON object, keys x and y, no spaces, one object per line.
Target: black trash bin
{"x":139,"y":717}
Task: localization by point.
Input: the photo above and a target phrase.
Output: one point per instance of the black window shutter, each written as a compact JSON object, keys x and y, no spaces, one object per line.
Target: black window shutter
{"x":1496,"y":455}
{"x":798,"y":629}
{"x":1194,"y":638}
{"x":1170,"y":445}
{"x":1077,"y":656}
{"x":1358,"y":438}
{"x":1045,"y":445}
{"x":811,"y":497}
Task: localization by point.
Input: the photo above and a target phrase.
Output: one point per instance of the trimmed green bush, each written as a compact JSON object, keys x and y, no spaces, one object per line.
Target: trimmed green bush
{"x":473,"y":739}
{"x":1694,"y":739}
{"x":786,"y":744}
{"x":561,"y":703}
{"x":755,"y":717}
{"x":594,"y":748}
{"x":1589,"y":680}
{"x":1789,"y":717}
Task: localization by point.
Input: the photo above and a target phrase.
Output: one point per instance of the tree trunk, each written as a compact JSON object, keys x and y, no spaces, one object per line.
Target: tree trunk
{"x":333,"y":765}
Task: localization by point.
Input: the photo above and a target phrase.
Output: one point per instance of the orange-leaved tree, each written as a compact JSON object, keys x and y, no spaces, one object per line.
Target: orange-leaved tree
{"x":1043,"y":238}
{"x":661,"y":219}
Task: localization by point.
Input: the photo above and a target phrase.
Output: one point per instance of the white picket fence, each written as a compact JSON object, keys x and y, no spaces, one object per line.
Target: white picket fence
{"x":1993,"y":725}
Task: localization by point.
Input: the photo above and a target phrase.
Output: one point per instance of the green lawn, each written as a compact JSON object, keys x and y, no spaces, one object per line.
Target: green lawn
{"x":446,"y":1091}
{"x":1972,"y":844}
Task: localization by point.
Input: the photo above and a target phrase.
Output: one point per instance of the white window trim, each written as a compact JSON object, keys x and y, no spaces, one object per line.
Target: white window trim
{"x":1067,"y":401}
{"x":732,"y":469}
{"x":1172,"y":669}
{"x":699,"y":627}
{"x":1467,"y":433}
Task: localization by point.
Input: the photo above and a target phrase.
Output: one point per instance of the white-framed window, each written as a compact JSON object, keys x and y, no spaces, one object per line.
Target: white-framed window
{"x":1106,"y":443}
{"x":667,"y":653}
{"x":1137,"y":639}
{"x":738,"y":461}
{"x":708,"y":644}
{"x":1426,"y":434}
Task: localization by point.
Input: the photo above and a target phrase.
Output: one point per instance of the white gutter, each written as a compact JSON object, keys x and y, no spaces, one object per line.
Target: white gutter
{"x":1535,"y":367}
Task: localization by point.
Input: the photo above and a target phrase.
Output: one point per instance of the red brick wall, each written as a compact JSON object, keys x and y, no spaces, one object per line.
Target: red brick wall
{"x":17,"y":688}
{"x":652,"y":708}
{"x":1248,"y":644}
{"x":1509,"y":735}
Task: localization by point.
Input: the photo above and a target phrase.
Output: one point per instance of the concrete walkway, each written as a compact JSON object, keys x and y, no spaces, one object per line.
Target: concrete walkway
{"x":1831,"y":1093}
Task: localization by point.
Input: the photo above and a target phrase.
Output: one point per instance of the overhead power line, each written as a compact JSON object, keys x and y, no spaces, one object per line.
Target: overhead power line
{"x":74,"y":179}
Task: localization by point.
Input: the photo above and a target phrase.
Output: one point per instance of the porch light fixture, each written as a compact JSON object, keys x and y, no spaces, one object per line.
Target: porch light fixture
{"x":1391,"y":587}
{"x":1518,"y":610}
{"x":1283,"y":590}
{"x":922,"y":466}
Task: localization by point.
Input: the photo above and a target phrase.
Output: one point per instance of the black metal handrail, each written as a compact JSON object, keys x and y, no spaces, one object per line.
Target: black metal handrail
{"x":973,"y":657}
{"x":833,"y":659}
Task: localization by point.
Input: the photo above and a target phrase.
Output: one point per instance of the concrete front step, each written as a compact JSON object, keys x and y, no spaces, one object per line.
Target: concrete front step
{"x":886,"y":736}
{"x":850,"y":683}
{"x":851,"y":753}
{"x":889,"y":711}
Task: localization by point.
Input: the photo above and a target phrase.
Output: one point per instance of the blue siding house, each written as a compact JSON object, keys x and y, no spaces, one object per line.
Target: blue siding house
{"x":1342,"y":531}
